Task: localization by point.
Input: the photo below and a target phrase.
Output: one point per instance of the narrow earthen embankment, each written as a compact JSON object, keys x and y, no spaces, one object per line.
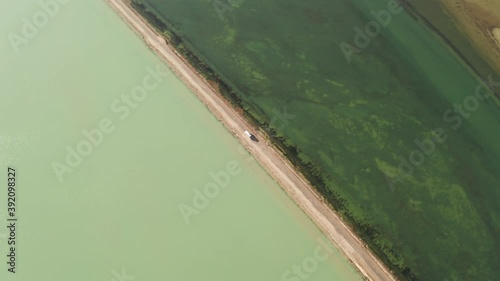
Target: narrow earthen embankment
{"x":297,"y":187}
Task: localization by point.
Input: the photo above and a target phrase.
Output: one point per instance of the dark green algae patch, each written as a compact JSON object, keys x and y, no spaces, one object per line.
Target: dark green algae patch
{"x":402,"y":141}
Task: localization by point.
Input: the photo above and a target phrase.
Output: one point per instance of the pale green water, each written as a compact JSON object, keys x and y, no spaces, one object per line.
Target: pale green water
{"x":119,"y":207}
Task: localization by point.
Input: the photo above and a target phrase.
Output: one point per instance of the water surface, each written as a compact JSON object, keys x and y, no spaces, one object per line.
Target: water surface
{"x":118,"y":209}
{"x":431,"y":212}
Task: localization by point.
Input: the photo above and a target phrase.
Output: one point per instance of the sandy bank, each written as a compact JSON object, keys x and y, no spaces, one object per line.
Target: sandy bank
{"x":480,"y":21}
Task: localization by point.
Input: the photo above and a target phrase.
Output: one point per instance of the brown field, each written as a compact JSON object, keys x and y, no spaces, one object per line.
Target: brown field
{"x":480,"y":21}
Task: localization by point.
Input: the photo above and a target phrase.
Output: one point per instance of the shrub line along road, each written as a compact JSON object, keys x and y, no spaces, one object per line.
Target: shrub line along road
{"x":294,"y":183}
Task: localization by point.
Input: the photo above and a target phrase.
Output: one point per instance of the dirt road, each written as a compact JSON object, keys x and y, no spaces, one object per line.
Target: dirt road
{"x":298,"y":188}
